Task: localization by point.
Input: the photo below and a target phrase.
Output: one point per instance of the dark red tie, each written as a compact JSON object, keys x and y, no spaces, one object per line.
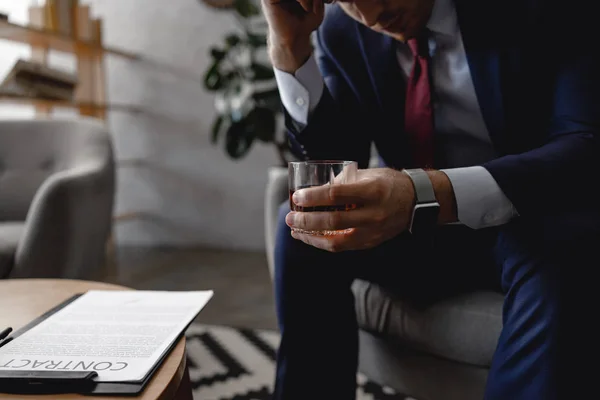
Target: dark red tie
{"x":418,"y":118}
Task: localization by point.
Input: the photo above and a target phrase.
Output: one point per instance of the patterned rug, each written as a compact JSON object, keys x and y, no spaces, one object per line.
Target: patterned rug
{"x":239,"y":364}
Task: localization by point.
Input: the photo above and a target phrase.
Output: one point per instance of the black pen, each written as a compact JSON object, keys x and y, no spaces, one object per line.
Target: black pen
{"x":2,"y":343}
{"x":5,"y":333}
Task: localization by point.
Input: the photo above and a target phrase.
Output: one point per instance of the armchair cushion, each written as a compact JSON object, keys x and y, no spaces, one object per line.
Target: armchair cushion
{"x":10,"y":234}
{"x":465,"y":328}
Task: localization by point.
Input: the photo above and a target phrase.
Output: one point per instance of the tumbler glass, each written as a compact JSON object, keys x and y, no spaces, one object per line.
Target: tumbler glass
{"x":304,"y":174}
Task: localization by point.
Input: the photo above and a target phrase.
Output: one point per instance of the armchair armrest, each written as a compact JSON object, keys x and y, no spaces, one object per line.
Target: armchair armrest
{"x":68,"y":224}
{"x":277,"y":193}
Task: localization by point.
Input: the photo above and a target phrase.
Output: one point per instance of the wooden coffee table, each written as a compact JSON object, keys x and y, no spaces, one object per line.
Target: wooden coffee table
{"x":22,"y":300}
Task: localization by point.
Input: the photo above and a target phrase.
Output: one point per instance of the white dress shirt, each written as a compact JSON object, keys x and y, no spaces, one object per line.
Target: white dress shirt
{"x":459,"y":124}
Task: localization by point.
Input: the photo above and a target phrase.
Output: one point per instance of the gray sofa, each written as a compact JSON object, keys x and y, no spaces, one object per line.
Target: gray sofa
{"x":442,"y":353}
{"x":57,"y":187}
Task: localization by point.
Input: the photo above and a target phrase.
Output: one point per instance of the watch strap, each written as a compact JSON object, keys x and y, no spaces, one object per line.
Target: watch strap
{"x":423,"y":188}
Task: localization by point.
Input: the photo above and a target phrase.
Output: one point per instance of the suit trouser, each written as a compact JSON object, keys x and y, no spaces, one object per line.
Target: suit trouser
{"x":535,"y":356}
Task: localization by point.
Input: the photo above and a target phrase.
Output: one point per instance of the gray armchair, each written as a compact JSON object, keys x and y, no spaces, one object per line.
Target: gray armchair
{"x":57,"y":189}
{"x":442,"y":353}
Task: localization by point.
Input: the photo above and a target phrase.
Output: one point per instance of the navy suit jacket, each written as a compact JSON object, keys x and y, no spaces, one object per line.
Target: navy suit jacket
{"x":537,"y":78}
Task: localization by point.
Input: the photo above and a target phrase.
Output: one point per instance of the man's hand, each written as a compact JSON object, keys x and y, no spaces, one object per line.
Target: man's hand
{"x":291,"y":23}
{"x":385,"y":200}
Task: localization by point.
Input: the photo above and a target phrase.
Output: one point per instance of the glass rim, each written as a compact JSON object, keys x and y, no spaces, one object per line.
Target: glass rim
{"x":322,"y":162}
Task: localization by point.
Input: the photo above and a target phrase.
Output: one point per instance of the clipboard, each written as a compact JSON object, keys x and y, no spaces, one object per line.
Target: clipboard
{"x":79,"y":382}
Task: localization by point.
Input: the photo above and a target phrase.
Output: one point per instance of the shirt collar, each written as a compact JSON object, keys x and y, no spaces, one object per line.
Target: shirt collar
{"x":443,"y":18}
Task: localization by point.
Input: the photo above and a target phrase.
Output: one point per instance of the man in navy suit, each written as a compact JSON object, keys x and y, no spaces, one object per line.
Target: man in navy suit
{"x":496,"y":102}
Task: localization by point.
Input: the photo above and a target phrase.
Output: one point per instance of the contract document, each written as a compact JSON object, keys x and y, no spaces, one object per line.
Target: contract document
{"x":121,"y":335}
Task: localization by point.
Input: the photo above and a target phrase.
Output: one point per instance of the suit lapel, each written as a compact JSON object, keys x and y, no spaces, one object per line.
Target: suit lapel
{"x":382,"y":65}
{"x":388,"y":88}
{"x":483,"y":49}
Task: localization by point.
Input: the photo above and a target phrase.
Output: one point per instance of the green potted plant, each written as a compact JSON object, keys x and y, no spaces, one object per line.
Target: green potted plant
{"x":246,"y":96}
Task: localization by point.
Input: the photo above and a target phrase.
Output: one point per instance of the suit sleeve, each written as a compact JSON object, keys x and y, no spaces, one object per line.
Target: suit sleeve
{"x":323,"y":117}
{"x":554,"y":184}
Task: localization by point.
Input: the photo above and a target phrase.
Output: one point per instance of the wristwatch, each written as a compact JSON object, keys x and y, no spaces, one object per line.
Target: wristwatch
{"x":426,"y":209}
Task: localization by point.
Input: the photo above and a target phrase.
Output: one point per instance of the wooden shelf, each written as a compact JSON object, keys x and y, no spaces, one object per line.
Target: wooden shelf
{"x":9,"y":99}
{"x":128,"y":216}
{"x":54,"y":41}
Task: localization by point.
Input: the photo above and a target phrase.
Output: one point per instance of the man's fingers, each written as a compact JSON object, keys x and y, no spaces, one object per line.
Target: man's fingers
{"x":360,"y":192}
{"x":331,"y":220}
{"x":353,"y":239}
{"x":349,"y":172}
{"x":334,"y":244}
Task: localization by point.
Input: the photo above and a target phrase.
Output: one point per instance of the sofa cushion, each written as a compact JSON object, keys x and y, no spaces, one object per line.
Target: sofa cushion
{"x":10,"y":234}
{"x":465,"y":328}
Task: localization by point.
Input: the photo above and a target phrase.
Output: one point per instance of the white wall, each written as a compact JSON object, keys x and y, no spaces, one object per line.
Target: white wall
{"x":191,"y":192}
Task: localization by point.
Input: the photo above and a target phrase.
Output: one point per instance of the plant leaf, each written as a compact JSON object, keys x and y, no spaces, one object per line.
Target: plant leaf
{"x":255,"y":40}
{"x":246,"y":8}
{"x":238,"y":140}
{"x":216,"y":128}
{"x":262,"y":72}
{"x":232,"y":40}
{"x":261,"y":124}
{"x":217,"y":54}
{"x":213,"y":80}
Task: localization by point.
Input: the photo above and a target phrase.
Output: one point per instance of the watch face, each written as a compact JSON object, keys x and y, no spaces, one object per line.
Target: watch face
{"x":425,"y":217}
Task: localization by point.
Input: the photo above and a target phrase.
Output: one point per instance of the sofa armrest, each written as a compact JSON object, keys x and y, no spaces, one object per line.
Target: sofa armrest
{"x":277,"y":192}
{"x":68,"y":224}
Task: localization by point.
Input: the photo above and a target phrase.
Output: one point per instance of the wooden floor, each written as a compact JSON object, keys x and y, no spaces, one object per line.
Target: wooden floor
{"x":243,"y":291}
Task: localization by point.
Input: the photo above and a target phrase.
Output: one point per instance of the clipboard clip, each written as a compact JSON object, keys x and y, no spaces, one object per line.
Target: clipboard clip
{"x":47,"y":382}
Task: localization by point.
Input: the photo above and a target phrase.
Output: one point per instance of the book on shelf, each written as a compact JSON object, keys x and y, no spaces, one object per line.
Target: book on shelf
{"x":61,"y":16}
{"x":35,"y":80}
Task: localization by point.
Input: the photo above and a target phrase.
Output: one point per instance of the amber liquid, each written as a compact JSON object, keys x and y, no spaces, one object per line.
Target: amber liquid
{"x":342,"y":207}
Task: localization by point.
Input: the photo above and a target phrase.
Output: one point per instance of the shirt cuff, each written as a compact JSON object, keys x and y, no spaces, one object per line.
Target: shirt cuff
{"x":300,"y":92}
{"x":480,"y":202}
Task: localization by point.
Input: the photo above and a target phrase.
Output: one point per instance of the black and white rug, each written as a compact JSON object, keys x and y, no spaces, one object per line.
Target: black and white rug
{"x":239,"y":364}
